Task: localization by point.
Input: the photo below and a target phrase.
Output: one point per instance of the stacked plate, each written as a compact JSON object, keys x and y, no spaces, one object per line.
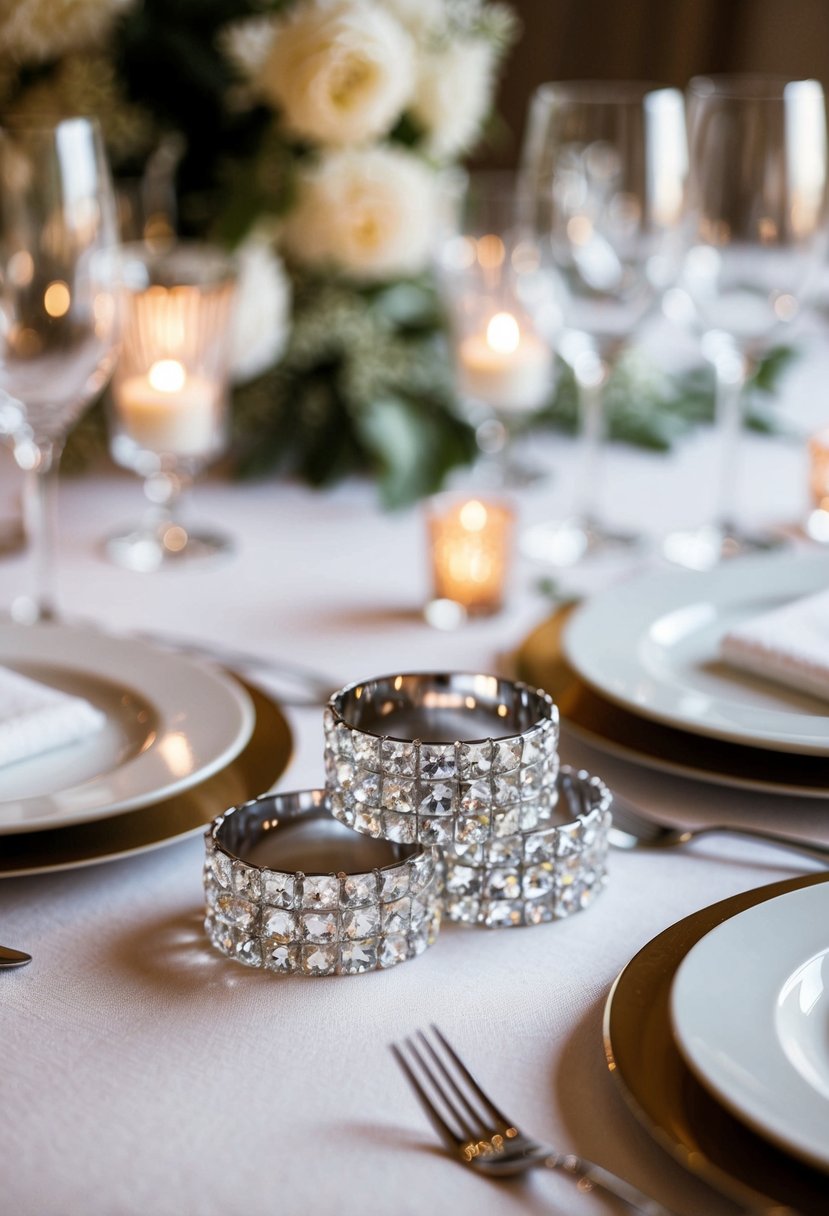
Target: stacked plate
{"x":182,"y":740}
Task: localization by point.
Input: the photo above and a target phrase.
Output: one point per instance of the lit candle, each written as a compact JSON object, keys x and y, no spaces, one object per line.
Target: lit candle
{"x":168,"y":411}
{"x":471,"y":547}
{"x":508,"y":369}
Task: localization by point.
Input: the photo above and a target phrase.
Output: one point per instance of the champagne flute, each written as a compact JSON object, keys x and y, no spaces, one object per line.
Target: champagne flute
{"x":58,"y":279}
{"x":604,"y":167}
{"x":756,"y":239}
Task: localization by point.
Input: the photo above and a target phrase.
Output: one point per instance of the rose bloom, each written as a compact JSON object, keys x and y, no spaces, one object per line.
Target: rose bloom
{"x":370,"y":213}
{"x":453,"y":94}
{"x":340,"y":71}
{"x":260,"y":324}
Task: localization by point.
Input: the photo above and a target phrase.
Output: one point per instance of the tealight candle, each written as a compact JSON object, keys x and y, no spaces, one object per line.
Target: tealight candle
{"x":508,"y":368}
{"x":168,"y":411}
{"x":471,"y":549}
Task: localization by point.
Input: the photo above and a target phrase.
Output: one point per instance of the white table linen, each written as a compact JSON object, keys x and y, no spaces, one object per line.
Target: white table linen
{"x":143,"y":1075}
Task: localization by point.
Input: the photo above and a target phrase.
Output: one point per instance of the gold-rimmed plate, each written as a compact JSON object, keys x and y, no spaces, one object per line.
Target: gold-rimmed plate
{"x":617,"y":732}
{"x":252,"y":772}
{"x":665,"y":1096}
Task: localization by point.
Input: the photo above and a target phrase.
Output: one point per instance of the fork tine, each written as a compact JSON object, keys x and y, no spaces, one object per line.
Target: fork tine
{"x":489,"y":1105}
{"x":479,"y":1121}
{"x":448,"y":1135}
{"x":468,"y":1130}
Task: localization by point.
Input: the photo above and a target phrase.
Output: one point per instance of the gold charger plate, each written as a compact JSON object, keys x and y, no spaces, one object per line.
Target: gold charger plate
{"x":668,"y":1100}
{"x":264,"y":758}
{"x":618,"y":732}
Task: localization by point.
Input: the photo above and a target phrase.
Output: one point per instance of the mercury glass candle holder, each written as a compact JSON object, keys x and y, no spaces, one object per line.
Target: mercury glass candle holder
{"x":168,"y":409}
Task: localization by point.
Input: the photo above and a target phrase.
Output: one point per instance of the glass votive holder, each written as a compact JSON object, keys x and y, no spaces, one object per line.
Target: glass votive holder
{"x":470,"y":551}
{"x":817,"y":521}
{"x":169,"y":394}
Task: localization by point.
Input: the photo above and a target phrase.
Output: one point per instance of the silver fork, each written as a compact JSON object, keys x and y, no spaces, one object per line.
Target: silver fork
{"x":479,"y":1135}
{"x":632,"y":829}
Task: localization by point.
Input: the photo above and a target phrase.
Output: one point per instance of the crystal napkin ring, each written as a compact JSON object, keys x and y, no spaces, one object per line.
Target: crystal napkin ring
{"x":439,"y":758}
{"x":285,"y":920}
{"x":536,"y":876}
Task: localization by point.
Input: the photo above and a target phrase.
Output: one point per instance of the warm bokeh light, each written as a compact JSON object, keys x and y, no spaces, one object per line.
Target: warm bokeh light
{"x":167,"y":376}
{"x":57,"y":298}
{"x":503,"y":334}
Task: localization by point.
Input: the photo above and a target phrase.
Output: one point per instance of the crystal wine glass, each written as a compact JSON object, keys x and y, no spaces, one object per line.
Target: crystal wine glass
{"x":58,"y":312}
{"x":604,"y":168}
{"x":756,"y":239}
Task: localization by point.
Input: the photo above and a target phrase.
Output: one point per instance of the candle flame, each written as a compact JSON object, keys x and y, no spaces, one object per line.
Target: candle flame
{"x":503,"y":334}
{"x":167,"y":376}
{"x":473,"y":516}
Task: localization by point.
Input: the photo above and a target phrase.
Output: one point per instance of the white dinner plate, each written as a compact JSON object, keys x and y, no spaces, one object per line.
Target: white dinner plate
{"x":750,"y":1012}
{"x":170,"y":722}
{"x":652,"y":645}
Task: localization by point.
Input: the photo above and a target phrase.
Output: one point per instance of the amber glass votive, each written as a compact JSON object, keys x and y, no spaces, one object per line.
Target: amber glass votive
{"x":470,"y":545}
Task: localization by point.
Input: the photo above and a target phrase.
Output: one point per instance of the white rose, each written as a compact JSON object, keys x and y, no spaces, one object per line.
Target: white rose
{"x":341,"y":71}
{"x":453,"y":94}
{"x":370,"y":213}
{"x":33,"y":31}
{"x":260,"y":318}
{"x":420,"y":17}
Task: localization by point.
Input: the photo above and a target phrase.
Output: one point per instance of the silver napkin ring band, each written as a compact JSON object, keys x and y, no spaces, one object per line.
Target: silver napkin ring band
{"x":287,"y":921}
{"x":536,"y":876}
{"x":385,"y":784}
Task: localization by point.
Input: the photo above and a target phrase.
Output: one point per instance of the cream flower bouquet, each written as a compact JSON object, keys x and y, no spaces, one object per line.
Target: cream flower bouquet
{"x":312,"y":135}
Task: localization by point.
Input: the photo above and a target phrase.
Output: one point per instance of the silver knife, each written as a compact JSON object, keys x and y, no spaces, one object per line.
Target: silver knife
{"x":13,"y":958}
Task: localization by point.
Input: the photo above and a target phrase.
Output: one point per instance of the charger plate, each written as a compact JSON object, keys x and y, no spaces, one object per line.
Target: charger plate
{"x":616,"y":731}
{"x":252,"y":772}
{"x":666,"y":1097}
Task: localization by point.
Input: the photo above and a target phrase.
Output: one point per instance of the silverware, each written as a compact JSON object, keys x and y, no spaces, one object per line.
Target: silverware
{"x":479,"y":1135}
{"x":13,"y":958}
{"x":633,"y":829}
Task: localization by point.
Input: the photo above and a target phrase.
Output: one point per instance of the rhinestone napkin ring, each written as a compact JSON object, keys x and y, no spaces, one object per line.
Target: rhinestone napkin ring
{"x":536,"y":876}
{"x":441,"y":758}
{"x":265,"y":913}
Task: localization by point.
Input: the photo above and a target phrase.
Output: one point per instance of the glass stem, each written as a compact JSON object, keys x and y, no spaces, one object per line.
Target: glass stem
{"x":591,"y":372}
{"x":40,"y":517}
{"x":731,"y":371}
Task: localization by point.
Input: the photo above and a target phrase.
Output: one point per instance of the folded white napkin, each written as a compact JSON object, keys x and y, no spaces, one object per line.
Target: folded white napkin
{"x":789,"y":645}
{"x":35,"y":718}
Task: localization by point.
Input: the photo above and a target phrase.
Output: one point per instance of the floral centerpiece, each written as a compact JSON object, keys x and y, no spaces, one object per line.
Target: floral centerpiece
{"x":311,"y":135}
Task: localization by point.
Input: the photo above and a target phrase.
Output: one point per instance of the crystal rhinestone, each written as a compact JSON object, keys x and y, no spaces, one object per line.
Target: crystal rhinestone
{"x":361,"y":922}
{"x":538,"y":912}
{"x":395,"y":883}
{"x":507,"y":823}
{"x":540,"y":846}
{"x":393,"y":950}
{"x":220,"y":935}
{"x":536,"y":744}
{"x":506,"y":754}
{"x":249,"y":951}
{"x":537,"y":880}
{"x":222,"y":869}
{"x":279,"y":924}
{"x":329,"y":722}
{"x":246,"y":880}
{"x":359,"y":889}
{"x":476,"y":797}
{"x":318,"y":960}
{"x":279,"y":956}
{"x":437,"y":798}
{"x":366,"y":788}
{"x":506,"y":852}
{"x":437,"y":761}
{"x":342,"y":807}
{"x":399,"y":795}
{"x":212,"y":890}
{"x":419,"y":914}
{"x":418,"y":939}
{"x":422,"y":869}
{"x":435,"y":831}
{"x":209,"y":843}
{"x":343,"y":774}
{"x":502,"y":912}
{"x":503,"y":884}
{"x":368,"y":822}
{"x":467,"y":853}
{"x":397,"y":758}
{"x":344,"y":741}
{"x":471,"y":829}
{"x":506,"y":788}
{"x":396,"y":916}
{"x":568,"y":839}
{"x":356,"y":957}
{"x":532,"y":815}
{"x":236,"y":911}
{"x":320,"y":891}
{"x":463,"y":909}
{"x":366,"y":750}
{"x":463,"y":880}
{"x":278,"y":889}
{"x":531,"y":781}
{"x":475,"y":759}
{"x":402,"y":829}
{"x":319,"y":926}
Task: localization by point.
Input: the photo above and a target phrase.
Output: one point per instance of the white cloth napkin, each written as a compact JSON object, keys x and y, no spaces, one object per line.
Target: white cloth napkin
{"x":789,"y":645}
{"x":35,"y":718}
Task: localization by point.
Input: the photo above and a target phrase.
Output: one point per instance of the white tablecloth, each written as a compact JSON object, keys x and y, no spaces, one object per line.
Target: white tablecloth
{"x":143,"y":1075}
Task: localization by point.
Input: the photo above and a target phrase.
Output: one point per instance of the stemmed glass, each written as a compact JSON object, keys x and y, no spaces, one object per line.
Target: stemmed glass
{"x":604,"y":168}
{"x":756,"y":237}
{"x":58,"y":313}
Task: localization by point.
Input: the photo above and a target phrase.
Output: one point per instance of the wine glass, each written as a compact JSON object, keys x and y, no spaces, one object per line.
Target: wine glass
{"x":58,"y":312}
{"x":487,"y":271}
{"x":168,"y":406}
{"x":604,"y":168}
{"x":756,"y":238}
